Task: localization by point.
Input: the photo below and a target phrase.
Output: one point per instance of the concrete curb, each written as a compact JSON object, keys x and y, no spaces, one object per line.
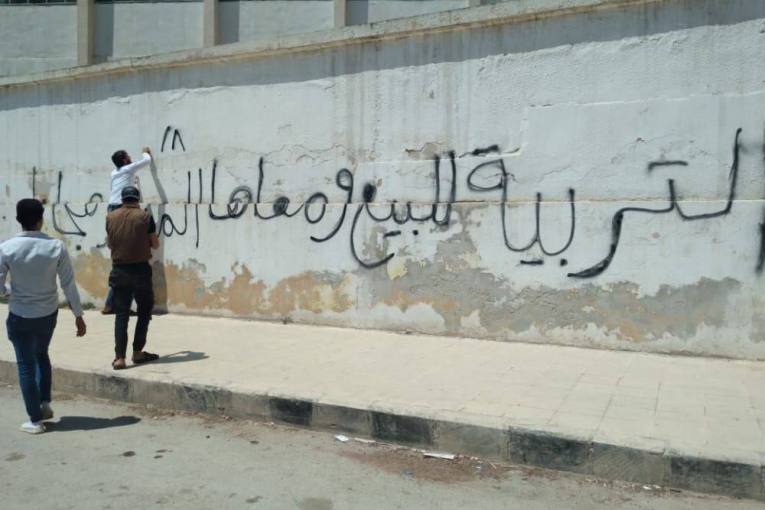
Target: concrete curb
{"x":516,"y":445}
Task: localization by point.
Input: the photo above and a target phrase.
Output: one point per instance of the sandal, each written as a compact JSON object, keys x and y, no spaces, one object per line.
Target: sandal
{"x":145,"y":357}
{"x":119,"y":364}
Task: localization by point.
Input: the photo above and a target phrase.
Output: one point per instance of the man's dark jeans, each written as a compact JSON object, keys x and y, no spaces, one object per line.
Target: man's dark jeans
{"x":30,"y":339}
{"x":131,"y":281}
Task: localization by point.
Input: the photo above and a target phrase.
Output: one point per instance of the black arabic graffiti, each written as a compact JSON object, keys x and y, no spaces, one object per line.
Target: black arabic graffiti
{"x":504,"y":184}
{"x":176,"y":138}
{"x":167,"y":226}
{"x":618,"y":218}
{"x":488,"y":176}
{"x":242,"y":196}
{"x":94,"y":200}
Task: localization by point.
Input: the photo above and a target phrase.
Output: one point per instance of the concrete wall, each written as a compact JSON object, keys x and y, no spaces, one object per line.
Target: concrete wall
{"x":257,"y":20}
{"x":639,"y":132}
{"x":136,"y":29}
{"x":41,"y":37}
{"x":372,"y":11}
{"x":37,"y":38}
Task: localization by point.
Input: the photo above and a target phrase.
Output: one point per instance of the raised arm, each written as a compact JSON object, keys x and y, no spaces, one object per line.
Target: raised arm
{"x":136,"y":165}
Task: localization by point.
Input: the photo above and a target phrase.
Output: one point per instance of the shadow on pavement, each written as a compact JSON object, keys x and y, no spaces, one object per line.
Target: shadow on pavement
{"x":176,"y":357}
{"x":180,"y":357}
{"x":71,"y":423}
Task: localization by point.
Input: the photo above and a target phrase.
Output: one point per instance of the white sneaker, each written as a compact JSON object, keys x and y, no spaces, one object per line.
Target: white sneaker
{"x":33,"y":427}
{"x":47,"y":411}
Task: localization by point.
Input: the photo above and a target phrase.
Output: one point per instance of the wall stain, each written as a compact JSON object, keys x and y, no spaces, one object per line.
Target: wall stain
{"x":92,"y":270}
{"x":619,"y":308}
{"x":315,"y":504}
{"x":426,"y":151}
{"x":243,"y":295}
{"x":41,"y":182}
{"x":453,"y":285}
{"x":758,"y":323}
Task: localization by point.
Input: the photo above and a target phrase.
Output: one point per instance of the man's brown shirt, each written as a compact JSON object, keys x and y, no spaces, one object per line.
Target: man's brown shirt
{"x":128,"y":229}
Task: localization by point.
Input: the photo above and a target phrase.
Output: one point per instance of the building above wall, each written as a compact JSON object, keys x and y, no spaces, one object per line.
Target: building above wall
{"x":42,"y":35}
{"x":487,"y":15}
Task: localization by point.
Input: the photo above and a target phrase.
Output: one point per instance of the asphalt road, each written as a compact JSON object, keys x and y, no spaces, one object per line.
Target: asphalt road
{"x":100,"y":455}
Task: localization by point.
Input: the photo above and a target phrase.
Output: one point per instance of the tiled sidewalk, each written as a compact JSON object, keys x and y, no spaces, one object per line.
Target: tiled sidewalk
{"x":695,"y":407}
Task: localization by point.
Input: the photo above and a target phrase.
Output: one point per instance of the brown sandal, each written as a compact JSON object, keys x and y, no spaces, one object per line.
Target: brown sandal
{"x":119,"y":364}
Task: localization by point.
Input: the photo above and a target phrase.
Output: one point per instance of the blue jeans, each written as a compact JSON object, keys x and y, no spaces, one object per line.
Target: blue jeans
{"x":30,"y":339}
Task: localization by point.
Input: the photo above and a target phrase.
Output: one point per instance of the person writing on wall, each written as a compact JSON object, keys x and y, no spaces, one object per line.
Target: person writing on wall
{"x":123,"y":175}
{"x":33,"y":260}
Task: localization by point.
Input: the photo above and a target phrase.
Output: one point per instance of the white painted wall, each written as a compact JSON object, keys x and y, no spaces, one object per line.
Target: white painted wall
{"x":261,"y":19}
{"x":137,"y":29}
{"x":584,"y":102}
{"x":37,"y":38}
{"x":372,"y":11}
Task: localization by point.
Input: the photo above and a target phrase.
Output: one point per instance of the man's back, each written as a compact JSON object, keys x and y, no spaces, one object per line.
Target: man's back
{"x":131,"y":235}
{"x":129,"y":230}
{"x":33,"y":260}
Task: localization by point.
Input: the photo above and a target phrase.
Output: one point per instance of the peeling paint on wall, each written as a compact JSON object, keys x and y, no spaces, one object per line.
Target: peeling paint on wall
{"x":246,"y":296}
{"x":458,"y":290}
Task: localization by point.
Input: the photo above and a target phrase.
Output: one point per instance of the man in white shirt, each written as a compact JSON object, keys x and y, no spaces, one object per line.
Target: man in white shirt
{"x":33,"y":259}
{"x":122,"y":176}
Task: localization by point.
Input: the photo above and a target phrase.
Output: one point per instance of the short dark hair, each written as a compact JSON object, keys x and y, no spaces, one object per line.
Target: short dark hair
{"x":29,"y":212}
{"x":118,"y":158}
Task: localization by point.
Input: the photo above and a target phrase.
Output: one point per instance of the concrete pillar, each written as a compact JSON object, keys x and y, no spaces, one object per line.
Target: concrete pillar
{"x":210,"y":23}
{"x":340,"y":13}
{"x":86,"y":24}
